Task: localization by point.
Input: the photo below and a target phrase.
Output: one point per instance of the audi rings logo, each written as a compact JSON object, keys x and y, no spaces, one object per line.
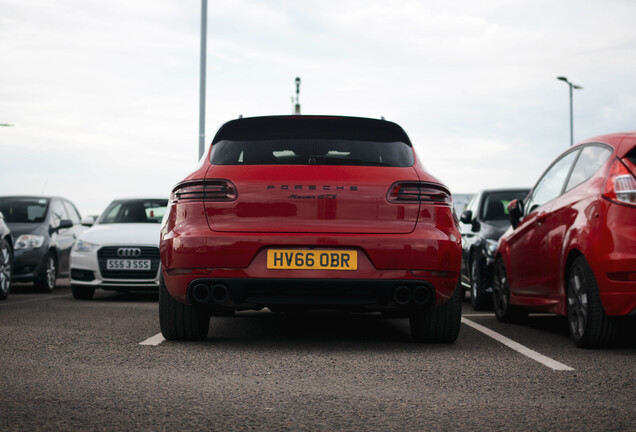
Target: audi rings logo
{"x":128,"y":252}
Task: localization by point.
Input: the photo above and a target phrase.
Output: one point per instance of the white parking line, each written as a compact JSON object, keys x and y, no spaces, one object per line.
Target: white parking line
{"x":154,"y":340}
{"x":546,"y":361}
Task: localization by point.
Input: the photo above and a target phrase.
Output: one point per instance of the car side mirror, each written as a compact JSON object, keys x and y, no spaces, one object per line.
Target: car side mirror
{"x":88,"y":221}
{"x":65,"y":223}
{"x":475,"y":225}
{"x":515,"y":212}
{"x":466,"y":217}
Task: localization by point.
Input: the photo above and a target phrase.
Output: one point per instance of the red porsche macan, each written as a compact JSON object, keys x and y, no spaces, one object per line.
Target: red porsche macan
{"x":310,"y":212}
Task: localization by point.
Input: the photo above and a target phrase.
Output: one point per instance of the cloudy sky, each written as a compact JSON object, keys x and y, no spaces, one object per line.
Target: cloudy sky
{"x":103,"y":95}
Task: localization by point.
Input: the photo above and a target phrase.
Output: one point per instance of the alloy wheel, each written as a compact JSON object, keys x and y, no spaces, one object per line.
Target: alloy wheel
{"x":5,"y":270}
{"x":500,"y":290}
{"x":577,"y":303}
{"x":474,"y":279}
{"x":50,"y":273}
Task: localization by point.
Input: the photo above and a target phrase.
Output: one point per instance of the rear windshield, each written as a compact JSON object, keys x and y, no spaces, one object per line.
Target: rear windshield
{"x":631,"y":156}
{"x":134,"y":211}
{"x":312,"y":152}
{"x":24,"y":210}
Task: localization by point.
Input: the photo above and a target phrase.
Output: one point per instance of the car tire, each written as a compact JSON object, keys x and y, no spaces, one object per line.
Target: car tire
{"x":504,"y":311}
{"x":83,"y":292}
{"x":588,"y":324}
{"x":479,"y":299}
{"x":6,"y":269}
{"x":179,"y":321}
{"x":440,"y":324}
{"x":48,"y":274}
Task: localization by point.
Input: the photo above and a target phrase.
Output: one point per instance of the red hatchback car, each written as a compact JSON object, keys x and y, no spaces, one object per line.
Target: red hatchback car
{"x":571,"y":249}
{"x":309,"y":212}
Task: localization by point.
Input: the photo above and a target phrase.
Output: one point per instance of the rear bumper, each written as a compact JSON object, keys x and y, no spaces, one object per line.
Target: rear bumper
{"x":617,"y":285}
{"x":311,"y":293}
{"x":239,"y":261}
{"x":619,"y":303}
{"x":613,"y":259}
{"x":369,"y":293}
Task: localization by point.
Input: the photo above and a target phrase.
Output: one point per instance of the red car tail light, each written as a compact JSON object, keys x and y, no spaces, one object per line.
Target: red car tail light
{"x":402,"y":192}
{"x":204,"y":190}
{"x":620,"y":186}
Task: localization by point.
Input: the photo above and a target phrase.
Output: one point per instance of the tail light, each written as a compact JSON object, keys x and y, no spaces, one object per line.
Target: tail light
{"x":620,"y":185}
{"x":403,"y":192}
{"x":204,"y":190}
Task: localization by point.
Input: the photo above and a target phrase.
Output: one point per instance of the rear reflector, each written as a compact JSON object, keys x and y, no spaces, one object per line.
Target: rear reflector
{"x":204,"y":190}
{"x":407,"y":191}
{"x":189,"y":271}
{"x":622,"y":276}
{"x":620,"y":186}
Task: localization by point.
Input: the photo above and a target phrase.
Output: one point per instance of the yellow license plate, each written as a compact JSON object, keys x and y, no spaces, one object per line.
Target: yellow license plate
{"x":284,"y":259}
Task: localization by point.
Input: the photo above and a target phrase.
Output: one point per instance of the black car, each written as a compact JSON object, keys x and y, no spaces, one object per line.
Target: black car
{"x":44,"y":230}
{"x":484,"y":220}
{"x":6,"y":259}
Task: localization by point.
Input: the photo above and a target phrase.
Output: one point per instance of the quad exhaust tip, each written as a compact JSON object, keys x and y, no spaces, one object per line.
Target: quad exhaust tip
{"x":217,"y":293}
{"x":201,"y":293}
{"x":419,"y":295}
{"x":402,"y":295}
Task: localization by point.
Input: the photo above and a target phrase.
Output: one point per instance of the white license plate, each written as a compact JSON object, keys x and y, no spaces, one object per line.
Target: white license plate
{"x":122,"y":264}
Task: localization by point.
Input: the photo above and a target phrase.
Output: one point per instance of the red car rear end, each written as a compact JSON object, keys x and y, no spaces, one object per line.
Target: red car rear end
{"x":307,"y":212}
{"x":573,"y":249}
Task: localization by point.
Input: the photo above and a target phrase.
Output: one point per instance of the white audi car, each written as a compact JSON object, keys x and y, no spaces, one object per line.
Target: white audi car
{"x":121,"y":251}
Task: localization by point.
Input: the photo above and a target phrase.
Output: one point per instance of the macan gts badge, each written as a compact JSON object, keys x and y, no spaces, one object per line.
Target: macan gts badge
{"x":297,"y":213}
{"x":317,"y":192}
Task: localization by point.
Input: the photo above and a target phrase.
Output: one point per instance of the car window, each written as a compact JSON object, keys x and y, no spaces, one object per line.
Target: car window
{"x":551,"y":184}
{"x":58,"y":212}
{"x":631,"y":156}
{"x":110,"y":214}
{"x":591,"y":159}
{"x":24,"y":210}
{"x":473,"y":204}
{"x":312,"y":152}
{"x":495,"y":204}
{"x":134,"y":211}
{"x":155,"y":211}
{"x":72,"y":212}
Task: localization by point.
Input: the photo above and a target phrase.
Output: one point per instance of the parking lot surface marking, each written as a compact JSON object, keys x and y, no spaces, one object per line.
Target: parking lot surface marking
{"x":546,"y":361}
{"x":154,"y":340}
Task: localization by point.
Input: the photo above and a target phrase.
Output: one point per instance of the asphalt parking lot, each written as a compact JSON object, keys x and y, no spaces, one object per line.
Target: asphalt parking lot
{"x":100,"y":365}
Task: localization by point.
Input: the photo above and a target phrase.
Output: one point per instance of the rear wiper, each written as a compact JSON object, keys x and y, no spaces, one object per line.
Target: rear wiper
{"x":335,"y":160}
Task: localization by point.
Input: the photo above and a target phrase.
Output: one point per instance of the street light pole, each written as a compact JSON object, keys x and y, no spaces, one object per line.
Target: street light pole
{"x":562,"y":78}
{"x":204,"y":25}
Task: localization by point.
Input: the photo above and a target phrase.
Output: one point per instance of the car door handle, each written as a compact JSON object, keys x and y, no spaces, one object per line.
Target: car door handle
{"x":541,"y":217}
